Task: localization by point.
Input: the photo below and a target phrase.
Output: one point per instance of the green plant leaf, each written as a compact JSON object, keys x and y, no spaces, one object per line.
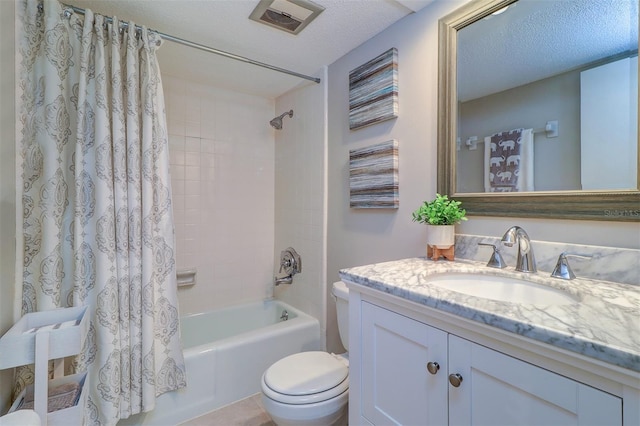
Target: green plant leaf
{"x":440,"y":211}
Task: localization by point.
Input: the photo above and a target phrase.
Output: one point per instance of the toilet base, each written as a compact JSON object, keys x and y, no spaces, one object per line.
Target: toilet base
{"x":333,"y":412}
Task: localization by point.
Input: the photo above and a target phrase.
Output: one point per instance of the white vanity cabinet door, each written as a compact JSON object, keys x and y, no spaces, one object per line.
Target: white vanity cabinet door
{"x":497,"y":389}
{"x":396,"y":386}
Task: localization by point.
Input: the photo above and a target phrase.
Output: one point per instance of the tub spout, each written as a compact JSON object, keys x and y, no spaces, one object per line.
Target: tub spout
{"x":283,"y":280}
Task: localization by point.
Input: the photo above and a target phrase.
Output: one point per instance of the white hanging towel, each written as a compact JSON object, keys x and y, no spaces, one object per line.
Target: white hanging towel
{"x":509,"y":161}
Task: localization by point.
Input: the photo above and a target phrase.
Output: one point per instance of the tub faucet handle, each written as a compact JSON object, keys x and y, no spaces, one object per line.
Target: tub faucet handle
{"x":290,"y":264}
{"x":496,"y":260}
{"x":285,"y":264}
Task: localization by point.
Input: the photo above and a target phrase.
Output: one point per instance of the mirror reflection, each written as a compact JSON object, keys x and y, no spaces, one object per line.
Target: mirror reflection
{"x":547,"y":98}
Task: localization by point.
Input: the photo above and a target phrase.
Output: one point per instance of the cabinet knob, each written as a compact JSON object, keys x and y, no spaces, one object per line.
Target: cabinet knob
{"x":455,"y":379}
{"x":433,"y":367}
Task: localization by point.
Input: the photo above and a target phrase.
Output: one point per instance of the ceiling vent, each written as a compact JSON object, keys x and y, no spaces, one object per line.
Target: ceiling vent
{"x":286,"y":15}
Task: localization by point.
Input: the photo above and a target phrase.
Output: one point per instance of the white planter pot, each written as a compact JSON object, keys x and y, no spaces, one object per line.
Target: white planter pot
{"x":441,"y":236}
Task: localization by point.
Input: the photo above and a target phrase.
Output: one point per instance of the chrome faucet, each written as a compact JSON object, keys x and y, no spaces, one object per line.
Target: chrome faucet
{"x":562,"y":269}
{"x":284,"y":280}
{"x":496,"y":260}
{"x":526,"y":261}
{"x":290,"y":264}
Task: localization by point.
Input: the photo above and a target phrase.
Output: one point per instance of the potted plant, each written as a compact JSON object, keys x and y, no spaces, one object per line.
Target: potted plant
{"x":440,"y":215}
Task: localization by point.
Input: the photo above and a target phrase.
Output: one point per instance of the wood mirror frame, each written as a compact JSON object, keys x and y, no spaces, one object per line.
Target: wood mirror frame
{"x":618,"y":205}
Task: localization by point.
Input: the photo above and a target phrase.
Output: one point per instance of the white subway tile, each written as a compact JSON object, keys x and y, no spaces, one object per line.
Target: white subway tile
{"x":192,"y":128}
{"x":177,"y":157}
{"x":191,"y":201}
{"x":207,"y":145}
{"x":191,"y":232}
{"x":192,"y":144}
{"x":191,"y":187}
{"x":192,"y":173}
{"x":177,"y":172}
{"x":176,"y":126}
{"x":208,"y":160}
{"x":176,"y":142}
{"x":192,"y":158}
{"x":192,"y":217}
{"x":177,"y":200}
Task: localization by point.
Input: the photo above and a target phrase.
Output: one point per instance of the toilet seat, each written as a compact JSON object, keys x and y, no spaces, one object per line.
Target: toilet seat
{"x":306,"y":378}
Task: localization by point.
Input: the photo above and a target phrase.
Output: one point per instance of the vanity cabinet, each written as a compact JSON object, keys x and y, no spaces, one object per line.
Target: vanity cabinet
{"x":396,"y":386}
{"x":412,"y":373}
{"x":499,"y":389}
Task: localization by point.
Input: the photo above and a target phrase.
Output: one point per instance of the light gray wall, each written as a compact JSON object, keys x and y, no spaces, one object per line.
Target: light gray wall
{"x":357,"y":237}
{"x":361,"y":236}
{"x":7,"y":183}
{"x":556,"y":160}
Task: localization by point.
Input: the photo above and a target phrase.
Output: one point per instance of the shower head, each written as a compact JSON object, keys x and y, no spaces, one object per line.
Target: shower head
{"x":276,"y":123}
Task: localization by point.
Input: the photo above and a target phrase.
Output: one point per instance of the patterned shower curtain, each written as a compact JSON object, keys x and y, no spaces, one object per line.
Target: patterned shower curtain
{"x":97,"y":217}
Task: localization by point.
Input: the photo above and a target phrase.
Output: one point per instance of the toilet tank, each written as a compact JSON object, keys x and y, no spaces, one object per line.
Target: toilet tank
{"x":341,"y":294}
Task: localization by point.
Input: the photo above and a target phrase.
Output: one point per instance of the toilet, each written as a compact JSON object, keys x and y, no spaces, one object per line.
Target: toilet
{"x":311,"y":388}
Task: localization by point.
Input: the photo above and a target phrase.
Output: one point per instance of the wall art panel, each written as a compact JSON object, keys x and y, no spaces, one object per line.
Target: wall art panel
{"x":373,"y":176}
{"x":373,"y":90}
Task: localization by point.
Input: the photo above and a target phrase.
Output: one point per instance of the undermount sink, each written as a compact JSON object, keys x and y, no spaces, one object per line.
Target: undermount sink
{"x":502,"y":289}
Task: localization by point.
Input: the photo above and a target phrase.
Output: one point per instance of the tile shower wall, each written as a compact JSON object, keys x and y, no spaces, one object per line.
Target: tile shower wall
{"x":222,"y":174}
{"x":300,"y":196}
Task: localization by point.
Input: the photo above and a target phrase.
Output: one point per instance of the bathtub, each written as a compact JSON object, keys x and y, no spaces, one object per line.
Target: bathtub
{"x":226,"y":351}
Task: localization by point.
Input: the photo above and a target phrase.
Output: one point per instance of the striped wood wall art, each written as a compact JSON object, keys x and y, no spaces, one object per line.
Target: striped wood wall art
{"x":373,"y":176}
{"x":373,"y":90}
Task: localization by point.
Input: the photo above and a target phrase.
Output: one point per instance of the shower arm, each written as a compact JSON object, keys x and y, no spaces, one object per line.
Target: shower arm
{"x":289,"y":113}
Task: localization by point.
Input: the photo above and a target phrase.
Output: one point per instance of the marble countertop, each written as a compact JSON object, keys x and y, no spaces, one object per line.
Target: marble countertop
{"x":603,"y":324}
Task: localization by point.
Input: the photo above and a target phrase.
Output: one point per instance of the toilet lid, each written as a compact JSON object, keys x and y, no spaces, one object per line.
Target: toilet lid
{"x":306,"y":377}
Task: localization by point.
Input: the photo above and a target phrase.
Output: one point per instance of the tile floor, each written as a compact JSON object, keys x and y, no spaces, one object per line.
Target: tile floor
{"x":246,"y":412}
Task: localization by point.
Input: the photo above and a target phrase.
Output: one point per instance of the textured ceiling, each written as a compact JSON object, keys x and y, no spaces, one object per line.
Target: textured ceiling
{"x":224,"y":25}
{"x":535,"y":39}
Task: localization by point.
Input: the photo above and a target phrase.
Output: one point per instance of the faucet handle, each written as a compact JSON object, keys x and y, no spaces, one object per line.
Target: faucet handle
{"x":496,"y":260}
{"x":290,"y":261}
{"x":562,"y":269}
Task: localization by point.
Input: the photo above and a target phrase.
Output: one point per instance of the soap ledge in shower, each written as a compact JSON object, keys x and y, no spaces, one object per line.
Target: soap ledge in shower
{"x":186,"y":277}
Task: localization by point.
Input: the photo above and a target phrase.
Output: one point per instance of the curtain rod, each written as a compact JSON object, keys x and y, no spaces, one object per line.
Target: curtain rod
{"x":212,"y":50}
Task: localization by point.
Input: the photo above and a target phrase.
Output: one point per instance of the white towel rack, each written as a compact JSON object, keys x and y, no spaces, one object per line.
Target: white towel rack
{"x":550,"y":130}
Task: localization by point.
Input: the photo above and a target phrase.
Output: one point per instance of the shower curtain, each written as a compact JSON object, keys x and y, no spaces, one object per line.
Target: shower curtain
{"x":97,"y":220}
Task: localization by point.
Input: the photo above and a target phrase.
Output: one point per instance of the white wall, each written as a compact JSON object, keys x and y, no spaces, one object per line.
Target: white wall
{"x":357,"y":237}
{"x":300,"y":201}
{"x":609,"y":117}
{"x":222,"y":173}
{"x":7,"y":183}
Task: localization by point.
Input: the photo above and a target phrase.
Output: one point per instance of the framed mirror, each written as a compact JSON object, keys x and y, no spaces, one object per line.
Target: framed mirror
{"x":538,"y":108}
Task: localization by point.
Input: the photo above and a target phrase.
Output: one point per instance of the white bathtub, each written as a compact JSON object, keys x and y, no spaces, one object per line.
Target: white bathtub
{"x":226,"y":351}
